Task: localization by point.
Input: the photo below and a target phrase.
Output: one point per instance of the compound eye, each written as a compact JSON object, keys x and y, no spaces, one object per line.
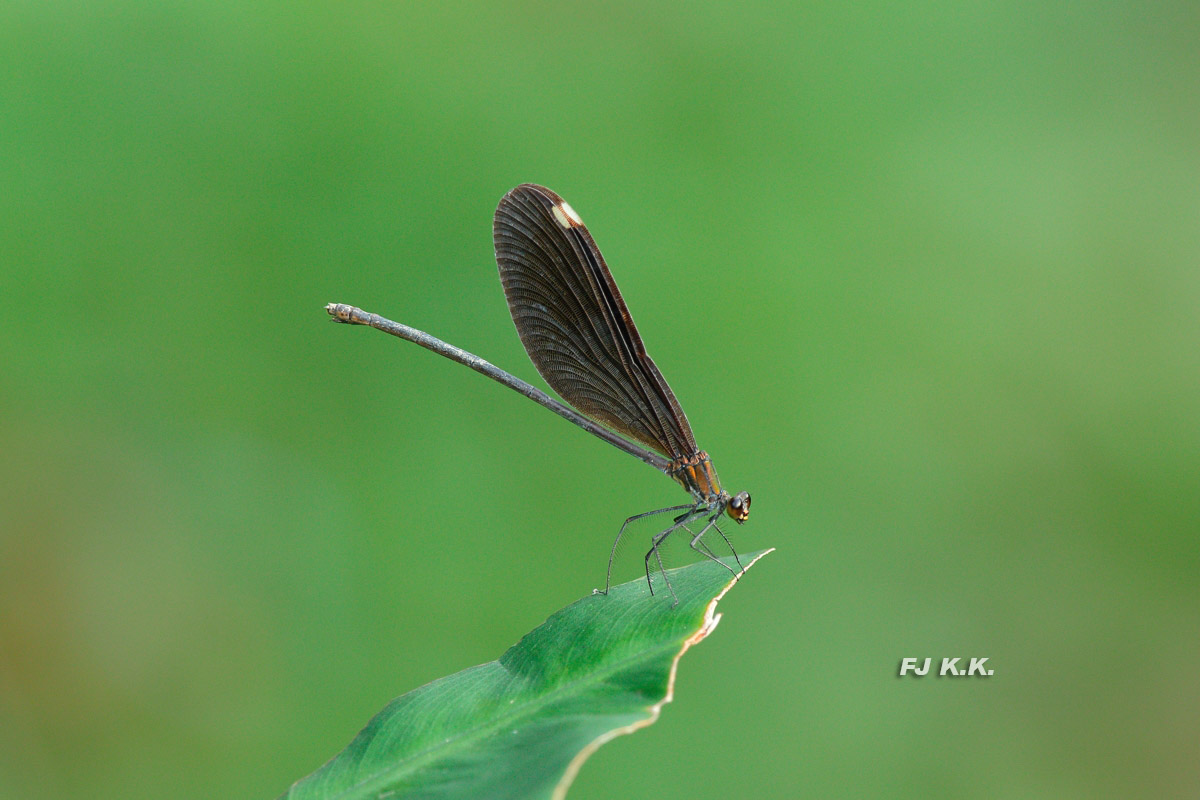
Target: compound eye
{"x":739,"y":506}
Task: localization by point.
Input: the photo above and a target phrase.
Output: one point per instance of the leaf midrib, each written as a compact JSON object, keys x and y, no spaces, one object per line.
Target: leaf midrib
{"x":411,"y":763}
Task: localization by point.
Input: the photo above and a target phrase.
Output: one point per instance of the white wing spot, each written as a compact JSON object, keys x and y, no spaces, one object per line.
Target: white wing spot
{"x":566,"y":215}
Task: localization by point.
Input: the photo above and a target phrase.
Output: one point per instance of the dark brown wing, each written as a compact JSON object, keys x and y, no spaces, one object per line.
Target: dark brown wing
{"x":575,"y":326}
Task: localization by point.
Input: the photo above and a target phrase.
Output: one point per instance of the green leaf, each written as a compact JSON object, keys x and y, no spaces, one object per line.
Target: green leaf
{"x":522,"y":726}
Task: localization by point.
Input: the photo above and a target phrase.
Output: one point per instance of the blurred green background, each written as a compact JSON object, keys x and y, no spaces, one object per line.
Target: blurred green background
{"x":924,"y":276}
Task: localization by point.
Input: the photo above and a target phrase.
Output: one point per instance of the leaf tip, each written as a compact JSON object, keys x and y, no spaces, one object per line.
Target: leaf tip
{"x":707,"y":626}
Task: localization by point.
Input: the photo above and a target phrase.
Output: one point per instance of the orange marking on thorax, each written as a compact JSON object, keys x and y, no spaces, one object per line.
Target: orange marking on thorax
{"x":696,"y":474}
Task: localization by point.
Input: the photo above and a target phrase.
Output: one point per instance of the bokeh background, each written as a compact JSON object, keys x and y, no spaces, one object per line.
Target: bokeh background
{"x":926,"y":278}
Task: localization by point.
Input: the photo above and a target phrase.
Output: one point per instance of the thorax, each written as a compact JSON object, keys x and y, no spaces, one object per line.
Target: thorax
{"x":697,"y":474}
